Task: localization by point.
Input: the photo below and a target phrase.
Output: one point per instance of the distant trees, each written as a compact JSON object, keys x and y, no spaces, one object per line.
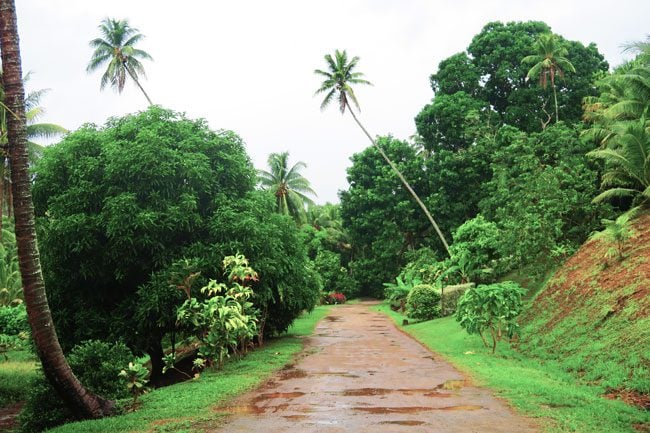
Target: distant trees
{"x":288,"y":186}
{"x":116,"y":48}
{"x":34,"y":130}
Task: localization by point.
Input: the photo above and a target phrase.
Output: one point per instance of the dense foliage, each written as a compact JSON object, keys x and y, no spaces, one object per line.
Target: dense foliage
{"x":485,"y":146}
{"x":121,"y":206}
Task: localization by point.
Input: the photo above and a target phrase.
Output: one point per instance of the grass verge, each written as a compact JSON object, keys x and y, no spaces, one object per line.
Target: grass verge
{"x":16,"y":375}
{"x":538,"y":389}
{"x":179,"y":408}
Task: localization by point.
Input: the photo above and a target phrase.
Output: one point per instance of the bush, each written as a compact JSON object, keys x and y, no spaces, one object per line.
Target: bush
{"x":423,"y":302}
{"x":96,"y":364}
{"x":493,"y":308}
{"x":43,"y":410}
{"x":13,"y":320}
{"x":450,"y":297}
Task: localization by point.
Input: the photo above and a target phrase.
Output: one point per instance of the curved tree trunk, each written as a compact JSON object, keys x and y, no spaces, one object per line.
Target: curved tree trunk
{"x":138,"y":83}
{"x":401,"y":177}
{"x":55,"y":367}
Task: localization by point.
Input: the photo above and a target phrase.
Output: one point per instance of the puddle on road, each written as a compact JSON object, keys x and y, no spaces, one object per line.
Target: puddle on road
{"x":426,"y":392}
{"x":335,"y":373}
{"x":333,"y":318}
{"x":452,"y":385}
{"x":415,"y":409}
{"x":403,"y":422}
{"x":366,"y":391}
{"x":294,"y":417}
{"x":236,"y":410}
{"x":292,"y":373}
{"x":271,"y":395}
{"x":385,"y":410}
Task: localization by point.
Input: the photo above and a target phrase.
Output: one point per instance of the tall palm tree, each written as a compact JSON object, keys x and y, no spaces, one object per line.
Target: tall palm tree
{"x":117,"y":48}
{"x":287,"y":184}
{"x":548,"y":62}
{"x":49,"y":351}
{"x":338,"y":85}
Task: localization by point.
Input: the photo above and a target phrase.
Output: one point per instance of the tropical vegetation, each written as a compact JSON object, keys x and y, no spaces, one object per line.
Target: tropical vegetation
{"x":149,"y":251}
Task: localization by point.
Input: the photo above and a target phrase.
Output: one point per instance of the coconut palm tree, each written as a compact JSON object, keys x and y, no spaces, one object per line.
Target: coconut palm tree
{"x":49,"y":351}
{"x":117,"y":48}
{"x":338,"y":85}
{"x":33,"y":111}
{"x":641,"y":48}
{"x":290,"y":188}
{"x":548,"y":62}
{"x":627,"y":162}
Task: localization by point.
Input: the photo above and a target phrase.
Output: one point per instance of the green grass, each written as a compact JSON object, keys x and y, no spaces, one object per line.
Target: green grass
{"x":179,"y":407}
{"x":16,"y":374}
{"x":535,"y":388}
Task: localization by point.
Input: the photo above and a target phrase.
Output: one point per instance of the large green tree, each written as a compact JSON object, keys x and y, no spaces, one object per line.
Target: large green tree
{"x":44,"y":335}
{"x":339,"y":78}
{"x":381,"y":218}
{"x":548,"y":62}
{"x":116,"y":49}
{"x":290,"y":188}
{"x":122,"y":206}
{"x":492,"y":73}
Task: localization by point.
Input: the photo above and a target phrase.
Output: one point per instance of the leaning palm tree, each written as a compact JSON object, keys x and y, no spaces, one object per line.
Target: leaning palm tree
{"x":117,"y":48}
{"x":55,"y":367}
{"x":290,"y":188}
{"x":548,"y":62}
{"x":338,"y":85}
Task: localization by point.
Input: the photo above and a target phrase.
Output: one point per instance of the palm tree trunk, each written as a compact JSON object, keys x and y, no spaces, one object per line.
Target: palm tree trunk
{"x":138,"y":83}
{"x":55,"y":367}
{"x":557,"y":117}
{"x":401,"y":177}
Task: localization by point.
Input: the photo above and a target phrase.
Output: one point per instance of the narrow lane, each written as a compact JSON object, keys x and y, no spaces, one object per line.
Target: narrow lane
{"x":359,"y":373}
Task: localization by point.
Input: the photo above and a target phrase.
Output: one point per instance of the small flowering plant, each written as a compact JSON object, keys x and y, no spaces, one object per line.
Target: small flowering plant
{"x":333,"y":298}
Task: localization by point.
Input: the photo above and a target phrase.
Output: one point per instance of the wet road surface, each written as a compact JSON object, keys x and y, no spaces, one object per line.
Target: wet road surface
{"x":359,"y":373}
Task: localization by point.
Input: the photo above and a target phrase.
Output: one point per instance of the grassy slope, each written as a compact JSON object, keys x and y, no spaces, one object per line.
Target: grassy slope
{"x":16,"y":374}
{"x":536,"y":388}
{"x":177,"y":408}
{"x":594,"y":316}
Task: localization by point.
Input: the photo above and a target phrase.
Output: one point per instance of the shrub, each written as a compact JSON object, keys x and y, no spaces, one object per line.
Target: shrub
{"x":96,"y":364}
{"x":396,"y":293}
{"x":492,"y":308}
{"x":423,"y":302}
{"x":42,"y":409}
{"x":13,"y":320}
{"x":450,"y":297}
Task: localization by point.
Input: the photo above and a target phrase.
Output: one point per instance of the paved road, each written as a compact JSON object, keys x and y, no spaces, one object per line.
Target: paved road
{"x":360,"y":374}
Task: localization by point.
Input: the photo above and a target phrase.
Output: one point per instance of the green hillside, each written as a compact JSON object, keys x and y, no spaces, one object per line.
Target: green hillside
{"x":593,"y":317}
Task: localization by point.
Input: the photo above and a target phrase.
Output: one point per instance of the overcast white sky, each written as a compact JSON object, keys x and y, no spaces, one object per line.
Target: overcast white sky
{"x":248,"y":65}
